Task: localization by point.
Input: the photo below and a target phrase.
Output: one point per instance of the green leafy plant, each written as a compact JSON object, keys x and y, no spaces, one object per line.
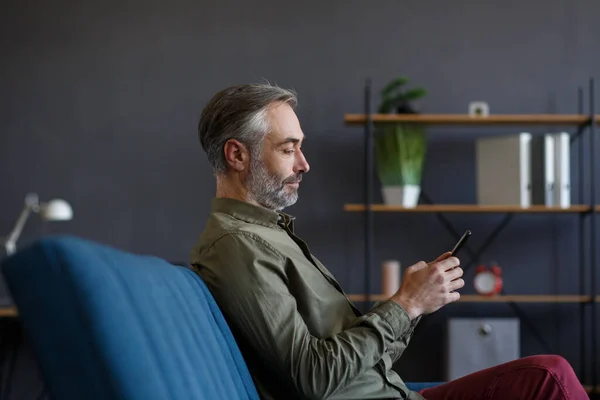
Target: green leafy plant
{"x":400,"y":148}
{"x":395,"y":99}
{"x":400,"y":151}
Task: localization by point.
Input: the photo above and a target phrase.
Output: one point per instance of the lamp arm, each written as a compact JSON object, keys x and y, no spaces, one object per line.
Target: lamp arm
{"x":12,"y":238}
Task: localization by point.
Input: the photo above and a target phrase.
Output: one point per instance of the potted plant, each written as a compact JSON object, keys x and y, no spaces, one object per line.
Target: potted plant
{"x":400,"y":148}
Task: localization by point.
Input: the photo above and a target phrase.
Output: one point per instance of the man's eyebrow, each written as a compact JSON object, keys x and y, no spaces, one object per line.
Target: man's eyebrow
{"x":290,"y":139}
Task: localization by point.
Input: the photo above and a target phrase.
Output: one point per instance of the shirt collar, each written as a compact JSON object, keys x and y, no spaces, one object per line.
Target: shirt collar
{"x":251,"y":213}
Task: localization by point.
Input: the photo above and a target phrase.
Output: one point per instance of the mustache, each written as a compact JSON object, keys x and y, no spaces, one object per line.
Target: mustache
{"x":293,"y":179}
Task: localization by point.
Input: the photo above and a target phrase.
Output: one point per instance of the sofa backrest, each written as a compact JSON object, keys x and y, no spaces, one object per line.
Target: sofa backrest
{"x":107,"y":324}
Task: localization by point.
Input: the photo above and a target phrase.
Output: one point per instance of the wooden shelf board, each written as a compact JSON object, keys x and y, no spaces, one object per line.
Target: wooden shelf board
{"x":8,"y":312}
{"x":467,"y":208}
{"x":597,"y":208}
{"x":590,"y":390}
{"x":465,"y":119}
{"x":496,"y":299}
{"x":12,"y":311}
{"x":526,"y":299}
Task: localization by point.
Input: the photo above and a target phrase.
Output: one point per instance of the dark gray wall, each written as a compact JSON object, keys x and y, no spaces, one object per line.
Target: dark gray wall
{"x":100,"y":100}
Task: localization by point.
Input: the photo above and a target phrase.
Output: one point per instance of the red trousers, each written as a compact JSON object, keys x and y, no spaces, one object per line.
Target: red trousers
{"x":543,"y":377}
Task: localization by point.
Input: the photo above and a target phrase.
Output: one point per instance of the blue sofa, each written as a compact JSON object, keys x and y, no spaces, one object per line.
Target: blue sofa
{"x":107,"y":324}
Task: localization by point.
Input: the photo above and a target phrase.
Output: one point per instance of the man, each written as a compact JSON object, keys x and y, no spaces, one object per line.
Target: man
{"x":300,"y":335}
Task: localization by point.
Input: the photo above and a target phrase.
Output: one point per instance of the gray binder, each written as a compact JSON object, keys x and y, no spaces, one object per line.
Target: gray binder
{"x":504,"y":170}
{"x":543,"y":170}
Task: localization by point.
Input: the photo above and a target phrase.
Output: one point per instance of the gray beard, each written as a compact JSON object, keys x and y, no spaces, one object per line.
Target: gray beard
{"x":268,"y":189}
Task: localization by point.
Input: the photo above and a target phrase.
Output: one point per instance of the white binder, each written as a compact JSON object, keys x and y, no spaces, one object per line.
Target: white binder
{"x":504,"y":170}
{"x":562,"y":146}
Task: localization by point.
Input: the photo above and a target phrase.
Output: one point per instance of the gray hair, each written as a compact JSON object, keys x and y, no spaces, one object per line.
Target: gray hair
{"x":239,"y":112}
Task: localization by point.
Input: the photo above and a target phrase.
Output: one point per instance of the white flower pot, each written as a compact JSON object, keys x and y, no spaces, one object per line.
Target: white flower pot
{"x":405,"y":195}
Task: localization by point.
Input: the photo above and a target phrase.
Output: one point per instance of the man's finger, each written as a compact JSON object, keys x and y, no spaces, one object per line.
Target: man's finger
{"x":456,"y":284}
{"x":416,"y":267}
{"x":448,"y":264}
{"x":452,"y":296}
{"x":443,"y":256}
{"x":454,"y":273}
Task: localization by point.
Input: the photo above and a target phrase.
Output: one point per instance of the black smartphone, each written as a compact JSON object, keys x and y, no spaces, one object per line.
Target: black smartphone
{"x":461,"y":242}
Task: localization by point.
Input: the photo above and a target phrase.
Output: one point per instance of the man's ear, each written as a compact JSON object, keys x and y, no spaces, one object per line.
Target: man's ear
{"x":236,"y":155}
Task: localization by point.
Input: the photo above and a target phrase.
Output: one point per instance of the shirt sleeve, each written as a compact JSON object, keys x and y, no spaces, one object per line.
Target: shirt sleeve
{"x":255,"y":298}
{"x":397,"y":348}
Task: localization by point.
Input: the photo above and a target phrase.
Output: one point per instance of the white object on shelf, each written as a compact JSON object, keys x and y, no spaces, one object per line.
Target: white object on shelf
{"x":562,"y":162}
{"x":479,"y":109}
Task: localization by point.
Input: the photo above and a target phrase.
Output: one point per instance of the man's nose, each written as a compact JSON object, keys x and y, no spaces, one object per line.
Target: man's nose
{"x":302,"y":165}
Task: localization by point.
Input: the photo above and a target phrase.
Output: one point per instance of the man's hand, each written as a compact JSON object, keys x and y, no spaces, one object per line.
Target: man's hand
{"x":427,"y":287}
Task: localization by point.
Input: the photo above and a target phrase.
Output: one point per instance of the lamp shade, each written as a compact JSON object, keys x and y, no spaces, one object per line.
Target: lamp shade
{"x":56,"y":210}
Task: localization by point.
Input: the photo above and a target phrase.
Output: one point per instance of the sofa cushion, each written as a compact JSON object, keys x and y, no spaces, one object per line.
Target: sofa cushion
{"x":108,"y":324}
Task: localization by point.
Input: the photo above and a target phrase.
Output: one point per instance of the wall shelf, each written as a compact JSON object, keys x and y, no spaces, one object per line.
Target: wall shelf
{"x":469,"y":298}
{"x":465,"y":119}
{"x":8,"y":312}
{"x":590,"y":390}
{"x":467,"y":208}
{"x":584,"y":210}
{"x":12,"y":311}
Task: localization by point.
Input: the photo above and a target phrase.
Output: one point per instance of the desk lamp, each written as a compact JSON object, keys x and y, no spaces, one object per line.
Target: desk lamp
{"x":54,"y":210}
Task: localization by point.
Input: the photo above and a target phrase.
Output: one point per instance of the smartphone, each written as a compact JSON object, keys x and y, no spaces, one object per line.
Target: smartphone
{"x":461,"y":242}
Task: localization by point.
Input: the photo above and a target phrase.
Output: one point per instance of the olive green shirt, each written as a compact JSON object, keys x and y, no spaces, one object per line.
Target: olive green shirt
{"x":298,"y":332}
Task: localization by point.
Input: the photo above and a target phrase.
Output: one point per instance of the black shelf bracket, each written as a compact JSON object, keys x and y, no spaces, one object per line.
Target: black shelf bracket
{"x":475,"y":256}
{"x":593,"y":291}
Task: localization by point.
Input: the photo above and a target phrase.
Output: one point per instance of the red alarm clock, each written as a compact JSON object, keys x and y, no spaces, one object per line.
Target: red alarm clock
{"x":488,"y":281}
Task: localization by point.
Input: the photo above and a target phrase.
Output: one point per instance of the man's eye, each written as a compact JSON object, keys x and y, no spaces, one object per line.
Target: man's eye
{"x":288,"y":151}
